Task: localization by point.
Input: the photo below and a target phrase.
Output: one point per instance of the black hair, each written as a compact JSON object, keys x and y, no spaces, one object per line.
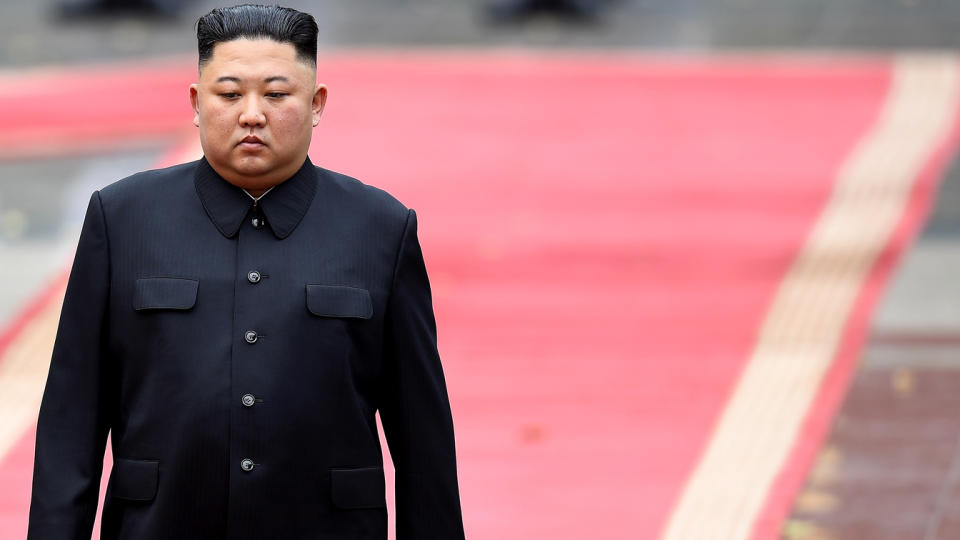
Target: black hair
{"x":252,"y":21}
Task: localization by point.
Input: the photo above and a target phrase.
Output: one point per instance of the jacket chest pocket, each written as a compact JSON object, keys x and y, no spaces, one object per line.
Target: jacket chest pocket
{"x":341,"y":301}
{"x":160,"y":293}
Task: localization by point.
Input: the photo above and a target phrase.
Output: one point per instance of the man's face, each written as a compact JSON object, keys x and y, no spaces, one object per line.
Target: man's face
{"x":256,"y":105}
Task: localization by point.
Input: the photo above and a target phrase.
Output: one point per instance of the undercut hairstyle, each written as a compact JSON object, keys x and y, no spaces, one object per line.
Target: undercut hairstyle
{"x":252,"y":21}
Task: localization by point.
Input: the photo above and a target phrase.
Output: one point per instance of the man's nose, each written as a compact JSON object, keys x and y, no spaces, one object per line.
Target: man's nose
{"x":252,"y":113}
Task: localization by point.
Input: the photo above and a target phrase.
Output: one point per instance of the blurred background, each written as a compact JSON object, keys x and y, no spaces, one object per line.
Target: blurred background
{"x":694,"y":262}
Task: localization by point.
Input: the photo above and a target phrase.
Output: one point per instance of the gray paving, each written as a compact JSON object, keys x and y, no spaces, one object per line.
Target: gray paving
{"x":42,"y":203}
{"x":922,"y":300}
{"x":31,"y":35}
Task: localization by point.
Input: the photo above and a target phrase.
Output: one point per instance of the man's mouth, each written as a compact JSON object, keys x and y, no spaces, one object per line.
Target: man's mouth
{"x":251,"y":141}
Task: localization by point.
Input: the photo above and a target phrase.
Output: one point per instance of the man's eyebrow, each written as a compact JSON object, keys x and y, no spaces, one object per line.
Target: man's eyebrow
{"x":275,"y":78}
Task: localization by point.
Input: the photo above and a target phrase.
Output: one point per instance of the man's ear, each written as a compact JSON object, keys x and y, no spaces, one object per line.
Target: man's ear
{"x":319,"y":100}
{"x":195,"y":103}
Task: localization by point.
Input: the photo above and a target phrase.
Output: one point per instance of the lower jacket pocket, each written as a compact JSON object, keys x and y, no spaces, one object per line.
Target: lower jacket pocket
{"x":134,"y":479}
{"x":358,"y":487}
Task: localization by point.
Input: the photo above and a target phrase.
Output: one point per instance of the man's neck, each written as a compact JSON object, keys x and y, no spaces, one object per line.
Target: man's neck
{"x":272,"y":179}
{"x":255,"y":194}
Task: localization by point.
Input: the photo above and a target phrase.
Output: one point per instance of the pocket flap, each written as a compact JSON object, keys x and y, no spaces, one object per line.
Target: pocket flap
{"x":165,"y":293}
{"x":134,"y":479}
{"x":339,"y":301}
{"x":358,"y":487}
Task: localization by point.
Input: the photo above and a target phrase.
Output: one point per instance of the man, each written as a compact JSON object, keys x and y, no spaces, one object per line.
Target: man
{"x":239,"y":349}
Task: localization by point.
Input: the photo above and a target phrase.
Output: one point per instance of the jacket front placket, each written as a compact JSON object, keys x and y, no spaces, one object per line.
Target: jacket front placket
{"x":253,"y":330}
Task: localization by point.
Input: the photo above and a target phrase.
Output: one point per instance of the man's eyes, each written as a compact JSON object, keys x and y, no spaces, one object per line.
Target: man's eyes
{"x":233,"y":95}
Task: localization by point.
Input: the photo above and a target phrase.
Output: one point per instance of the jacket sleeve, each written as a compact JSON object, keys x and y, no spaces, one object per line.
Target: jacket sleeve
{"x":72,"y":425}
{"x":415,"y":410}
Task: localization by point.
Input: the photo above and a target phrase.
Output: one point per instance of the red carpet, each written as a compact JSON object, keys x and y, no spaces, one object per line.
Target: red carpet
{"x":604,"y":235}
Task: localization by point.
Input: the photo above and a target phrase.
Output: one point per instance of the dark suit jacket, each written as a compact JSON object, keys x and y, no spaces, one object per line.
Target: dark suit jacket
{"x":238,"y":366}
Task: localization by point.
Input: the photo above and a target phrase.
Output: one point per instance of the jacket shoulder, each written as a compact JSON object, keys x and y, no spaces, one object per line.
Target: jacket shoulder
{"x":149,"y":182}
{"x":356,"y":194}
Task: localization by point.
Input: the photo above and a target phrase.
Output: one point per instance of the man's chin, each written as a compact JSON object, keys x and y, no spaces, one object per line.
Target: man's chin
{"x":253,"y":167}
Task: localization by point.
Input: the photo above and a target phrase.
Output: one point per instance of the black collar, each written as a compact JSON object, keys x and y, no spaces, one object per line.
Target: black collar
{"x":227,"y":205}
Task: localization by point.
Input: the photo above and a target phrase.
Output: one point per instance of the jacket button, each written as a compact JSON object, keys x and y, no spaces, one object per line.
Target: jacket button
{"x":257,"y":222}
{"x":253,"y":276}
{"x":247,"y":464}
{"x":248,"y":400}
{"x":250,"y":336}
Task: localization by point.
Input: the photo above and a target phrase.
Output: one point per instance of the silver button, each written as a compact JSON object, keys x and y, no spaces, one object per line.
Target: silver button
{"x":250,"y":336}
{"x":247,"y":464}
{"x":253,"y":276}
{"x":257,"y":222}
{"x":248,"y":400}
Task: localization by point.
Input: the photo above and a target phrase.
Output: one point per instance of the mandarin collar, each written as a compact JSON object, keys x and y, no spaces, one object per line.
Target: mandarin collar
{"x":227,"y":205}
